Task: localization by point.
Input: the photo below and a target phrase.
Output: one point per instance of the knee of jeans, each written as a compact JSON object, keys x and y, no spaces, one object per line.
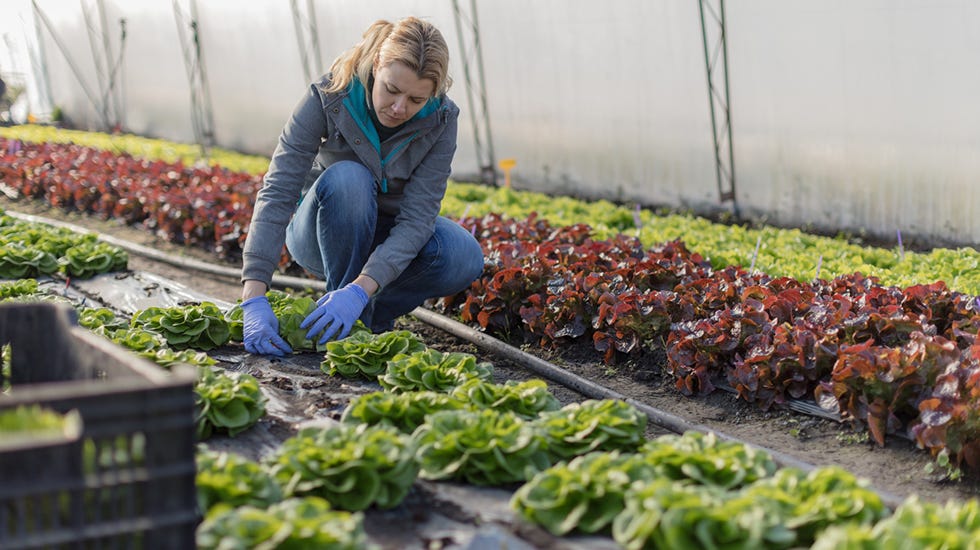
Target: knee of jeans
{"x":475,"y":265}
{"x":470,"y":264}
{"x":466,"y":261}
{"x":345,"y":180}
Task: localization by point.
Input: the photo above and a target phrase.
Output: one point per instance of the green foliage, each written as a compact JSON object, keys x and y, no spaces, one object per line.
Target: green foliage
{"x":6,"y":367}
{"x":232,"y":480}
{"x":235,"y":318}
{"x":291,"y":524}
{"x":18,"y":261}
{"x":405,"y":411}
{"x":167,"y":358}
{"x":916,"y":524}
{"x":147,"y":344}
{"x":943,"y":467}
{"x":484,"y":447}
{"x":88,"y":259}
{"x":432,"y":370}
{"x":706,"y":460}
{"x":787,"y":510}
{"x":352,"y":467}
{"x":134,"y":338}
{"x":201,"y":326}
{"x":117,"y":454}
{"x":290,"y":311}
{"x":730,"y":496}
{"x":363,"y":354}
{"x":808,"y":503}
{"x":226,"y":401}
{"x":33,"y":249}
{"x":101,"y":320}
{"x":583,"y":495}
{"x":479,"y":200}
{"x":31,"y":421}
{"x":592,"y":425}
{"x":527,"y":399}
{"x":668,"y":514}
{"x":168,"y":151}
{"x":18,"y":288}
{"x":781,"y":252}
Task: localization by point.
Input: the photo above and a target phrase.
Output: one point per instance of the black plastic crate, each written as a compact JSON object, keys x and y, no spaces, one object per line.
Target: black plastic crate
{"x":128,"y":481}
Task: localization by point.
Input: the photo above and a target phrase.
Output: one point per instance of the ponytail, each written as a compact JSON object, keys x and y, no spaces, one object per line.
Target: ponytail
{"x":359,"y":60}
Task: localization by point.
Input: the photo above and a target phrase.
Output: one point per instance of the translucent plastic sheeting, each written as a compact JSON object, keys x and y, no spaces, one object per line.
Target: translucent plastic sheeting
{"x":132,"y":291}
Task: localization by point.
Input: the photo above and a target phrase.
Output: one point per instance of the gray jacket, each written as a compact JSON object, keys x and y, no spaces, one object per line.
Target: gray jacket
{"x":410,"y":170}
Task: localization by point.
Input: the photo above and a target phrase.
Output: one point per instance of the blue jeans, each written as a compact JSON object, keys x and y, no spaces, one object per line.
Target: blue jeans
{"x":337,"y":226}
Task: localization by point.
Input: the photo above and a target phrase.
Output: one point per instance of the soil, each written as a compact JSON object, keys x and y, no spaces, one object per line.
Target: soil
{"x":897,"y":470}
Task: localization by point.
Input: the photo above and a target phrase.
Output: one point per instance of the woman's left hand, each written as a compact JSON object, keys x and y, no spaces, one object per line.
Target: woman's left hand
{"x":336,"y":313}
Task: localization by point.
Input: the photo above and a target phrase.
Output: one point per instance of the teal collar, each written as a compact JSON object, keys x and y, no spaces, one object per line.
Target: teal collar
{"x":357,"y":106}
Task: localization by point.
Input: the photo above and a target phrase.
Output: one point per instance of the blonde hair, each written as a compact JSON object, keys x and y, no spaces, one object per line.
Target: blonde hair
{"x":411,"y":41}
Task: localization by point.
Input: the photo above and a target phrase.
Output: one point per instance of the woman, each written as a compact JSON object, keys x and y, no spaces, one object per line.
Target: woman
{"x":376,"y":137}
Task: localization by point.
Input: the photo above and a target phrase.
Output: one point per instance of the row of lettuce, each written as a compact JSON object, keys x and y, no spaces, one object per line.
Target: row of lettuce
{"x":211,"y":205}
{"x":31,"y":250}
{"x":891,"y":360}
{"x":729,"y":302}
{"x":879,"y":357}
{"x":582,"y":468}
{"x":518,"y":292}
{"x":226,"y":402}
{"x":166,"y":187}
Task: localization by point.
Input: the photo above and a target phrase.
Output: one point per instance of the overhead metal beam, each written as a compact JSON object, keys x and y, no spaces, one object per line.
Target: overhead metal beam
{"x":715,"y":38}
{"x":468,"y":31}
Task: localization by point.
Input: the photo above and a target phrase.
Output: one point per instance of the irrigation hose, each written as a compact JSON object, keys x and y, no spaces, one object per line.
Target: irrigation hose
{"x":533,"y":363}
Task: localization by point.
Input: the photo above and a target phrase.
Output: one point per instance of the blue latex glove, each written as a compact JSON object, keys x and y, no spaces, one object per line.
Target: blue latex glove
{"x":260,"y":332}
{"x":336,"y":313}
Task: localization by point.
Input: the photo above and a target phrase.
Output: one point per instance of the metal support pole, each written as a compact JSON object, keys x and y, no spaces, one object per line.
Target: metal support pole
{"x":469,"y":28}
{"x":39,"y":69}
{"x":202,"y":116}
{"x":106,"y":64}
{"x":39,"y":15}
{"x":307,"y":37}
{"x":97,"y":60}
{"x":719,"y":100}
{"x":113,"y":67}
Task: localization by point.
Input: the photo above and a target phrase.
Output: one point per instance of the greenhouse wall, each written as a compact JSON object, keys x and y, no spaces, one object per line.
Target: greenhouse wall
{"x":852,"y":117}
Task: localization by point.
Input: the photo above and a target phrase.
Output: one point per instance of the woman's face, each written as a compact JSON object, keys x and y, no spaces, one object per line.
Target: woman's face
{"x":399,"y":93}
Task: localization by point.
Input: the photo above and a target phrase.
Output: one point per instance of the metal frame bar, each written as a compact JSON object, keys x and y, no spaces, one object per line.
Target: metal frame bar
{"x":307,"y":38}
{"x":719,"y":101}
{"x":46,"y":23}
{"x":469,"y":27}
{"x":202,"y":116}
{"x":107,"y":65}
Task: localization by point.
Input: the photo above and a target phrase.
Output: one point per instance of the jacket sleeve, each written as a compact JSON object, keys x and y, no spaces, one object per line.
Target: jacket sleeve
{"x":418,"y":211}
{"x":282,"y":185}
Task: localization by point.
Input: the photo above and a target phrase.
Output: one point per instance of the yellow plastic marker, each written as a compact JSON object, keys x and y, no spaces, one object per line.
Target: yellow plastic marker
{"x":507,"y":165}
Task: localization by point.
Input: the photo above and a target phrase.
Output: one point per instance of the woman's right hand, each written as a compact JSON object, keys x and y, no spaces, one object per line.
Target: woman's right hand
{"x":260,"y":329}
